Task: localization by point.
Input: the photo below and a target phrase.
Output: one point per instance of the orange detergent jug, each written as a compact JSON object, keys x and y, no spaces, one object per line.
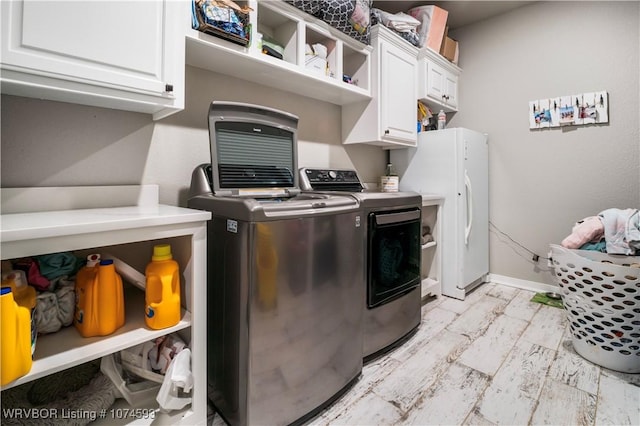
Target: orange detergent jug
{"x":162,"y":289}
{"x":15,"y":338}
{"x":24,"y":295}
{"x":99,"y":299}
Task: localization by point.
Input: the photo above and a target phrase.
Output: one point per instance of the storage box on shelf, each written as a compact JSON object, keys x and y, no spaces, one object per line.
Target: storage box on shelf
{"x":449,"y":50}
{"x":82,"y":52}
{"x":389,"y":119}
{"x":438,"y":81}
{"x":30,"y":231}
{"x":431,"y":258}
{"x":291,"y":29}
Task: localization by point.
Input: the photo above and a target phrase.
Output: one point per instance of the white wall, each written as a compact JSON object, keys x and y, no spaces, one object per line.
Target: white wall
{"x":57,"y":144}
{"x":542,"y":182}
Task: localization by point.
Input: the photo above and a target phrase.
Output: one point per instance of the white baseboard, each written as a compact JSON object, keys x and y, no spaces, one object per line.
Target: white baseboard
{"x":523,"y":284}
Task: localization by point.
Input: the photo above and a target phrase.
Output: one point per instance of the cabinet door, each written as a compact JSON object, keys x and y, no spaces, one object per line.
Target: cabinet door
{"x":441,"y":86}
{"x":451,"y":90}
{"x":436,"y":82}
{"x":398,"y":88}
{"x":106,"y":47}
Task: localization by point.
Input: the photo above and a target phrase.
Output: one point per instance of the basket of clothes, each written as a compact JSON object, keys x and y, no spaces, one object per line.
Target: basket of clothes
{"x":597,"y":268}
{"x":222,"y":18}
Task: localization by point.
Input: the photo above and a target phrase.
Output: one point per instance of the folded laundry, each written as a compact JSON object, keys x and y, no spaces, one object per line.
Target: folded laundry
{"x":402,"y":24}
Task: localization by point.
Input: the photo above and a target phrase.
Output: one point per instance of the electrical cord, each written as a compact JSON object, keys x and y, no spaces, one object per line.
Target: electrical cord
{"x":535,"y":256}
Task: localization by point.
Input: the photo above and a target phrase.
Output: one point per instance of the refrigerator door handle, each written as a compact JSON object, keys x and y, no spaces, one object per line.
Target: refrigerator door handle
{"x":469,"y":194}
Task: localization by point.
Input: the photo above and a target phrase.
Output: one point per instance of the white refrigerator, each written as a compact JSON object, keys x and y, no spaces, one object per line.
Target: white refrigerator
{"x":454,"y":163}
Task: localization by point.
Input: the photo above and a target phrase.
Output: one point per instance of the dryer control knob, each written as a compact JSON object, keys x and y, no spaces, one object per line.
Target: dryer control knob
{"x":332,"y":174}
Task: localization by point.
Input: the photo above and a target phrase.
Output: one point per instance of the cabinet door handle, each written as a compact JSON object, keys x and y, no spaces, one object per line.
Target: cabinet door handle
{"x":168,"y":88}
{"x":386,"y":132}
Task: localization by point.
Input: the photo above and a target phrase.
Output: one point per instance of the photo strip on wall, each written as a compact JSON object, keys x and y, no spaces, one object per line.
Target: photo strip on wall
{"x":570,"y":110}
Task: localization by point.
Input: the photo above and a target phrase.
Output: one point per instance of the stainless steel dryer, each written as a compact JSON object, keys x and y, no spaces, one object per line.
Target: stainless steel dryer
{"x":283,"y":278}
{"x":392,"y":256}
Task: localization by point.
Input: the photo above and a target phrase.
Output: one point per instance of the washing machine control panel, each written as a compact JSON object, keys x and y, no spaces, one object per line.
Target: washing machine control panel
{"x":330,"y":179}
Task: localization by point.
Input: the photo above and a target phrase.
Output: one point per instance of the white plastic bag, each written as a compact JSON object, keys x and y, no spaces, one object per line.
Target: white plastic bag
{"x":177,"y":376}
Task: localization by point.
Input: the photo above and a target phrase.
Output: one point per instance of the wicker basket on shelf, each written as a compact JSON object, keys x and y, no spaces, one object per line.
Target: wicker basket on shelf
{"x":222,"y":18}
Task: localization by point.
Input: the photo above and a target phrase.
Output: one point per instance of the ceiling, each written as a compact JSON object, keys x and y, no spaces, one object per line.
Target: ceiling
{"x":461,"y":13}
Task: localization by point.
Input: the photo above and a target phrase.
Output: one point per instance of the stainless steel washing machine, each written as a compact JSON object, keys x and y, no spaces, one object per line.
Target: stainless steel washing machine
{"x":392,"y":256}
{"x":283,"y":274}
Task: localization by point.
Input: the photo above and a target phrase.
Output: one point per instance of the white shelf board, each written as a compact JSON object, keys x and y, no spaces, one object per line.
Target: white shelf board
{"x":66,"y":348}
{"x":429,"y":286}
{"x":429,"y":245}
{"x":26,"y":234}
{"x":214,"y":54}
{"x":431,"y":199}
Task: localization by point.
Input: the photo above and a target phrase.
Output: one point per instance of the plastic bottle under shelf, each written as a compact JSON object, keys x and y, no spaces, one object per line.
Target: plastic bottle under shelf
{"x":389,"y":181}
{"x":15,"y":338}
{"x":162,"y":292}
{"x":442,"y":120}
{"x":99,"y":299}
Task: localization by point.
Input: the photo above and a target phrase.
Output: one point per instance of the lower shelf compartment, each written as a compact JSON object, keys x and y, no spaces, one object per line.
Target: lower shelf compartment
{"x":67,"y":348}
{"x":430,"y":287}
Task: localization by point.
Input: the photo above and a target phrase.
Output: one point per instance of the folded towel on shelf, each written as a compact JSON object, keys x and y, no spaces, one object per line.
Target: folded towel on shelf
{"x":398,"y":23}
{"x":57,"y":264}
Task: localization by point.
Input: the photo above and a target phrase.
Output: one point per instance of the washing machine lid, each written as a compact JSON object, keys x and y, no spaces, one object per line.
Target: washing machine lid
{"x":253,"y":150}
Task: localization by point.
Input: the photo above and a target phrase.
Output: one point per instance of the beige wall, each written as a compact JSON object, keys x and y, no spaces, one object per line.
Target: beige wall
{"x":56,"y":144}
{"x":542,"y":182}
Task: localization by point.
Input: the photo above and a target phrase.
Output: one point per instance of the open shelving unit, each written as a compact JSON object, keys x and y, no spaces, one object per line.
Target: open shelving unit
{"x":292,"y":29}
{"x":431,"y":258}
{"x":133,"y":228}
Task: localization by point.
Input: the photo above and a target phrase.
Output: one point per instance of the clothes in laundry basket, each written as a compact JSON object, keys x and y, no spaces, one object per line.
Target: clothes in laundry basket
{"x":617,"y":229}
{"x":621,"y":230}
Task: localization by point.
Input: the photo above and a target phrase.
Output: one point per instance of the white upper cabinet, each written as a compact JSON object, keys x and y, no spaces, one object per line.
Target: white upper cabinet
{"x":438,"y":82}
{"x":389,"y":119}
{"x":125,"y":55}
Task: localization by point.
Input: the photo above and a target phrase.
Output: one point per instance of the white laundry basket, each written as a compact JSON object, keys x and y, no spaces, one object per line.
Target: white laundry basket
{"x":601,"y":294}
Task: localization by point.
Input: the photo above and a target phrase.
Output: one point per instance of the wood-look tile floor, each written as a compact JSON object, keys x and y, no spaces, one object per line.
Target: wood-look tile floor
{"x":494,"y":358}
